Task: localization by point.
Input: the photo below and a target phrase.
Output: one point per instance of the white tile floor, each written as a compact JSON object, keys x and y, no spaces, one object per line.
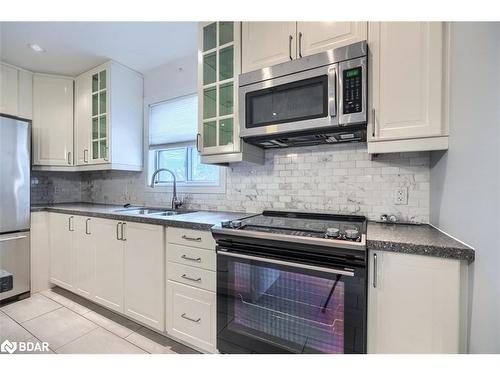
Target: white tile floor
{"x":73,"y":325}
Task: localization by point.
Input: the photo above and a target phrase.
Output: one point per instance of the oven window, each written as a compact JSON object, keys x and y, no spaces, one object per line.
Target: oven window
{"x":291,"y":309}
{"x":296,"y":101}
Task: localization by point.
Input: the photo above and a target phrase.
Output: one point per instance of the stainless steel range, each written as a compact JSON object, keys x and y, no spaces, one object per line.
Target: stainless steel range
{"x":290,"y":282}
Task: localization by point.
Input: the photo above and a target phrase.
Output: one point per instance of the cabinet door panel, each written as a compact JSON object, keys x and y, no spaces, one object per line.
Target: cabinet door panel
{"x":25,"y":97}
{"x":414,"y":307}
{"x":84,"y":256}
{"x":406,"y":63}
{"x":52,"y":121}
{"x":267,"y":43}
{"x":8,"y":90}
{"x":322,"y":36}
{"x":144,"y":274}
{"x":191,"y":315}
{"x":83,"y":119}
{"x":108,"y":265}
{"x":62,"y":251}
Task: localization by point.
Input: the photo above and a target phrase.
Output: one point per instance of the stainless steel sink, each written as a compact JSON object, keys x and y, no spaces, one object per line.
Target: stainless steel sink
{"x":151,"y":211}
{"x":140,"y":211}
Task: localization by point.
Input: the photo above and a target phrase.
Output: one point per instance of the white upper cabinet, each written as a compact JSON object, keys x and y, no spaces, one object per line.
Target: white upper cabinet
{"x":16,"y":92}
{"x":109,"y":118}
{"x":9,"y":90}
{"x":267,"y":43}
{"x":52,"y":120}
{"x":407,"y":62}
{"x":315,"y":37}
{"x":25,"y":95}
{"x":219,"y":65}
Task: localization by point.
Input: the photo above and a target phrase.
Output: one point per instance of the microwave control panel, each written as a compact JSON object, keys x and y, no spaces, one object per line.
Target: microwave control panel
{"x":352,"y":90}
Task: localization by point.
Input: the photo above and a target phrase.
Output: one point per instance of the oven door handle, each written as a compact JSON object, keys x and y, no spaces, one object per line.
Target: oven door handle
{"x":345,"y":271}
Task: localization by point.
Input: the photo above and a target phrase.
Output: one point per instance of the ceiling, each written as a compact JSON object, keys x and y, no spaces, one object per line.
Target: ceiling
{"x":75,"y":47}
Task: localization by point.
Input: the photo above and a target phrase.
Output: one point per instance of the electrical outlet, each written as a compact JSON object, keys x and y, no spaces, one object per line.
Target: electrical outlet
{"x":401,"y":196}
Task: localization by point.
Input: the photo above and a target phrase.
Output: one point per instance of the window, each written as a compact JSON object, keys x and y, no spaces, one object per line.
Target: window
{"x":172,"y":145}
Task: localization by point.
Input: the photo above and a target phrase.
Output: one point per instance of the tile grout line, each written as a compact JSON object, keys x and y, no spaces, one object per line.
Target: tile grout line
{"x":20,"y":323}
{"x":31,"y":333}
{"x":100,"y":326}
{"x":83,"y":316}
{"x":79,"y":337}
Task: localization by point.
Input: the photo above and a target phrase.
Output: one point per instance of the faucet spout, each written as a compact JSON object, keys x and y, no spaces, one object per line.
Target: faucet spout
{"x":176,"y":203}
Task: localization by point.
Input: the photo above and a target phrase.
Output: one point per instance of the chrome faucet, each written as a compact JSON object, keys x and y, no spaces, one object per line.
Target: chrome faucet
{"x":176,"y":203}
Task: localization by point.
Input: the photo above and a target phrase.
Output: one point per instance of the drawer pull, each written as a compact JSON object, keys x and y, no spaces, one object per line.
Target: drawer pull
{"x":184,"y":256}
{"x":197,"y":239}
{"x":190,"y":319}
{"x":191,"y":279}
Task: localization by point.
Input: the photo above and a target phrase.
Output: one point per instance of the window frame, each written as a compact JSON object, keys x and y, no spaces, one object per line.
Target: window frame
{"x":150,"y":155}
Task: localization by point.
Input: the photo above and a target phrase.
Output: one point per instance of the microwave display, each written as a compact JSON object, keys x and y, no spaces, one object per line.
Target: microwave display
{"x":352,"y":90}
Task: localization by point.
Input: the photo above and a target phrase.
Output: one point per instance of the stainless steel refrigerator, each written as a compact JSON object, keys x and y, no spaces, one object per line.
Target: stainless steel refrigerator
{"x":14,"y":206}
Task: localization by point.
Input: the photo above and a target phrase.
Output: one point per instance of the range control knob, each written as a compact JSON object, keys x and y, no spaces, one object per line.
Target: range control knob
{"x":225,"y":223}
{"x":236,"y":224}
{"x":332,"y":232}
{"x":351,"y":234}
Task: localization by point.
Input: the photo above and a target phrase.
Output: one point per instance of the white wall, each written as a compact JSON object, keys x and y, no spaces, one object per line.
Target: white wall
{"x":177,"y":78}
{"x":465,"y":181}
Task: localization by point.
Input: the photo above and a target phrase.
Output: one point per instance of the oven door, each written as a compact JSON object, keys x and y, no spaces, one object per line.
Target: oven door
{"x":295,"y":102}
{"x":269,"y":305}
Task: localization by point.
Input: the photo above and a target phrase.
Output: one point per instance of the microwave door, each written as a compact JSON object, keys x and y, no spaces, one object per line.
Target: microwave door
{"x":297,"y":102}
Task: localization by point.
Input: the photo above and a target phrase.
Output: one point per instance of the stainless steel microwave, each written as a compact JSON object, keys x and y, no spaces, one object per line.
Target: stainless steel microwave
{"x":317,"y":99}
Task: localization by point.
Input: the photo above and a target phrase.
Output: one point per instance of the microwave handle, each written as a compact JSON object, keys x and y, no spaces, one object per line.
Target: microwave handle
{"x":332,"y":91}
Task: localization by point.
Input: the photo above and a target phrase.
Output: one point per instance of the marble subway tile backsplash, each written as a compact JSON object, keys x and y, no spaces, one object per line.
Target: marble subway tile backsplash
{"x":55,"y":187}
{"x":342,"y":178}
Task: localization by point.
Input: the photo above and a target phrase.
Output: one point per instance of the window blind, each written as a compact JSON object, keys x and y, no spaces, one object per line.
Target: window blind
{"x":174,"y":121}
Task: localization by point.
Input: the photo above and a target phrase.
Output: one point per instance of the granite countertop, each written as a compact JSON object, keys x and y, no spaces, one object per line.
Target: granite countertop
{"x":200,"y":220}
{"x":402,"y":238}
{"x":421,"y":239}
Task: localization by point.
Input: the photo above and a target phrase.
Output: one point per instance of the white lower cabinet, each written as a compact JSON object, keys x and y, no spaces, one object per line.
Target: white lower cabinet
{"x":62,"y":250}
{"x":194,"y":276}
{"x":40,"y":252}
{"x":191,"y":315}
{"x":415,"y":304}
{"x":109,"y":264}
{"x":191,"y":299}
{"x":144,"y":274}
{"x":85,"y":251}
{"x":119,"y":265}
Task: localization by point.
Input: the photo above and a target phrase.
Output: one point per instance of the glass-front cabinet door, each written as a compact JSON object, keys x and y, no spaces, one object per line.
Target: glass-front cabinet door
{"x":218,"y":69}
{"x":99,"y":132}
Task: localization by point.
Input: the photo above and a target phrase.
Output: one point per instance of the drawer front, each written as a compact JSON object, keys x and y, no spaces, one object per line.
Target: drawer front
{"x":192,"y":238}
{"x":191,"y":316}
{"x":191,"y":256}
{"x":193,"y":276}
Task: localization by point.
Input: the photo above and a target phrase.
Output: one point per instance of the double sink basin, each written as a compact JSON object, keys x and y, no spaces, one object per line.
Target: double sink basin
{"x":151,"y":211}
